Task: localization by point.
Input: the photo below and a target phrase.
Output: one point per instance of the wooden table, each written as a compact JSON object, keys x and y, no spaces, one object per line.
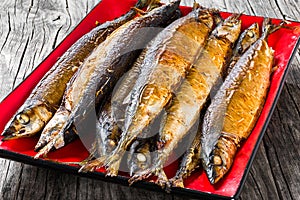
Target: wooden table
{"x":31,"y":29}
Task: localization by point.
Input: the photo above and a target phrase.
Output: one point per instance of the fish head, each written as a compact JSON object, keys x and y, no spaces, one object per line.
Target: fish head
{"x":140,"y":161}
{"x":139,"y":158}
{"x":249,"y":37}
{"x":205,"y":16}
{"x":221,"y":158}
{"x":27,"y":123}
{"x":229,"y":29}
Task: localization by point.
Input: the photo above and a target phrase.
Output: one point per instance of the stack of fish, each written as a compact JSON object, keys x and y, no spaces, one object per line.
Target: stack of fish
{"x":178,"y":69}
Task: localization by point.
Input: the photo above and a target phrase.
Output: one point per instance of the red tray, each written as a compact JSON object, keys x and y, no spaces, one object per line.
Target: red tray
{"x":284,"y":42}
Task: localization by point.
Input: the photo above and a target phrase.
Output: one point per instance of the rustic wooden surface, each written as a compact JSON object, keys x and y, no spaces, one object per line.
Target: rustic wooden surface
{"x":30,"y":29}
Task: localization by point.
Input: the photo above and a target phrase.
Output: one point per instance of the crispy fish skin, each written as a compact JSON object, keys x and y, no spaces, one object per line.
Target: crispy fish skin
{"x":188,"y":102}
{"x":106,"y":64}
{"x":191,"y":159}
{"x":235,"y":108}
{"x":44,"y":100}
{"x":169,"y":57}
{"x":246,"y":39}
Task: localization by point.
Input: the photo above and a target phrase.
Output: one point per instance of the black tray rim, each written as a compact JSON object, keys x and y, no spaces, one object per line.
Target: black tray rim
{"x":47,"y":164}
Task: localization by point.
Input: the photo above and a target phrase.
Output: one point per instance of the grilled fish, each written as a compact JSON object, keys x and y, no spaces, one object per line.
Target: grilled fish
{"x":111,"y":117}
{"x":44,"y":100}
{"x":102,"y":69}
{"x":191,"y":159}
{"x":166,"y":63}
{"x":235,"y":108}
{"x":186,"y":105}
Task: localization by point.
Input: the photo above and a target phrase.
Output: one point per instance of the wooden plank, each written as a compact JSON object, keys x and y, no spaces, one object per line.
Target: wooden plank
{"x":30,"y":29}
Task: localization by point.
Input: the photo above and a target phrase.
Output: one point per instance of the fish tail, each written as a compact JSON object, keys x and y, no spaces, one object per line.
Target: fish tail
{"x":90,"y":166}
{"x":177,"y":182}
{"x":114,"y":160}
{"x":268,"y":27}
{"x":141,"y":175}
{"x":46,"y":149}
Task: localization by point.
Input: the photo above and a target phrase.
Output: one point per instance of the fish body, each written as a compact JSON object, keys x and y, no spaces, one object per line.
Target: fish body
{"x":235,"y":108}
{"x":122,"y":92}
{"x":168,"y":59}
{"x":46,"y":97}
{"x":192,"y":95}
{"x":191,"y":159}
{"x":103,"y":68}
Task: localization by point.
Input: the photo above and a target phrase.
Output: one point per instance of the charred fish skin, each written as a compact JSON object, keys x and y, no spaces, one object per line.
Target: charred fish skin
{"x":246,"y":39}
{"x":44,"y":100}
{"x":248,"y":80}
{"x":188,"y":102}
{"x":168,"y":59}
{"x":106,"y":64}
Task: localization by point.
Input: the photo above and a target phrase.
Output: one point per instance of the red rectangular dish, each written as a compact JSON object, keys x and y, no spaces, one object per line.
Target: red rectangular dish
{"x":284,"y":42}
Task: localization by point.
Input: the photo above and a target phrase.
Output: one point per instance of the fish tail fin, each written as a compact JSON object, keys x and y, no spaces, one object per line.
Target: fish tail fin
{"x":268,"y":27}
{"x":114,"y":160}
{"x":141,"y":175}
{"x":90,"y":166}
{"x":177,"y":181}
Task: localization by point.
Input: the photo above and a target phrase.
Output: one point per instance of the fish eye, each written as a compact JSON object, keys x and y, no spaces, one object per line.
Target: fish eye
{"x":141,"y":157}
{"x":230,"y":24}
{"x":217,"y":160}
{"x":23,"y":118}
{"x":22,"y":131}
{"x":250,"y":34}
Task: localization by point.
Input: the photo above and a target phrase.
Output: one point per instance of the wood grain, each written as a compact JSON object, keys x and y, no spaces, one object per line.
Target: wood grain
{"x":31,"y":29}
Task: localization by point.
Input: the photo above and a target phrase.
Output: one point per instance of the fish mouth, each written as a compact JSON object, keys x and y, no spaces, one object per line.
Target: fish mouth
{"x":12,"y":134}
{"x":9,"y":131}
{"x":12,"y":137}
{"x":215,"y":172}
{"x":210,"y":173}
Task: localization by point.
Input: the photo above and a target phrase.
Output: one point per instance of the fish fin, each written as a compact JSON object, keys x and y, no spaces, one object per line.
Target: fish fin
{"x":56,"y":142}
{"x":113,"y":162}
{"x":45,"y":150}
{"x":93,"y":165}
{"x":141,"y":175}
{"x":162,"y":180}
{"x":177,"y":181}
